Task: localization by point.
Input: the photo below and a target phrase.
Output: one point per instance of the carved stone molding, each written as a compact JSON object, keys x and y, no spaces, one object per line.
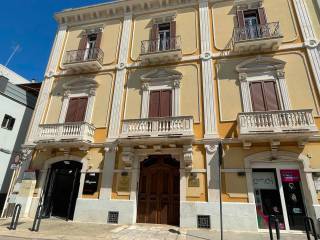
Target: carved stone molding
{"x":211,"y":148}
{"x":280,"y":73}
{"x":176,"y":83}
{"x":187,"y":156}
{"x":145,"y":86}
{"x":110,"y":147}
{"x":127,"y":157}
{"x":243,"y":76}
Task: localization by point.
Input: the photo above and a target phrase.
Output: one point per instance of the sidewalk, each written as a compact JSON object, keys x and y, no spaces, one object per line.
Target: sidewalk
{"x":52,"y":229}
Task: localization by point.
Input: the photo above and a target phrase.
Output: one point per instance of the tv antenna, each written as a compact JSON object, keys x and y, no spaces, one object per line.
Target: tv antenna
{"x":16,"y":48}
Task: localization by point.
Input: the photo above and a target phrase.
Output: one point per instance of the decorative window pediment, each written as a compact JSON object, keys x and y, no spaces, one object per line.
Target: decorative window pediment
{"x":80,"y":84}
{"x":161,"y":75}
{"x":247,"y":4}
{"x":164,"y":18}
{"x":259,"y":64}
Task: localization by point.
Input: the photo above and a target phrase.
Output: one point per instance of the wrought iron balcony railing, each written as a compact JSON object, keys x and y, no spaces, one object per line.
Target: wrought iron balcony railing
{"x":258,"y":32}
{"x":161,"y":45}
{"x":84,"y":55}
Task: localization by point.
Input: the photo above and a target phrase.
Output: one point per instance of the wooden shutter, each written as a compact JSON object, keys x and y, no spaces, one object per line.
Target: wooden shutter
{"x":154,"y":37}
{"x":173,"y":34}
{"x":262,"y":16}
{"x":165,"y":103}
{"x":270,"y":94}
{"x":257,"y":98}
{"x":240,"y":18}
{"x":72,"y":110}
{"x":154,"y":104}
{"x":82,"y":108}
{"x":83,"y":42}
{"x":77,"y":109}
{"x":98,"y":40}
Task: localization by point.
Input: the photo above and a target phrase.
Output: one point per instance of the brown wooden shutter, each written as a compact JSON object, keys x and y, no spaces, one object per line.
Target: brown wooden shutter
{"x":165,"y":103}
{"x":154,"y":37}
{"x":98,"y":40}
{"x":77,"y":109}
{"x":262,"y":16}
{"x":240,"y":18}
{"x":82,"y":109}
{"x":257,"y":98}
{"x":83,"y":42}
{"x":173,"y":34}
{"x":154,"y":104}
{"x":270,"y":94}
{"x":72,"y":110}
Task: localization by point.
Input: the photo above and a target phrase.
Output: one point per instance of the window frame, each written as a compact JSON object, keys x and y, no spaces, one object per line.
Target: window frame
{"x":8,"y":122}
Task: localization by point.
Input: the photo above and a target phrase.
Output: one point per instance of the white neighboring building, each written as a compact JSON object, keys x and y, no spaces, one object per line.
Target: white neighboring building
{"x":18,"y":98}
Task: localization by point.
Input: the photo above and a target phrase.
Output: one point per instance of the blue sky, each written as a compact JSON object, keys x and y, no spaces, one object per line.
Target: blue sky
{"x":30,"y":24}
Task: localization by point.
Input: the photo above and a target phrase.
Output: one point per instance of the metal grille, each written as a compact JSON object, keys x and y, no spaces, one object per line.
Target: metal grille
{"x":113,"y":217}
{"x":204,"y":221}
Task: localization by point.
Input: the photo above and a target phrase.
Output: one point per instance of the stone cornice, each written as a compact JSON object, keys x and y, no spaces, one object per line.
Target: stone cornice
{"x":117,"y":9}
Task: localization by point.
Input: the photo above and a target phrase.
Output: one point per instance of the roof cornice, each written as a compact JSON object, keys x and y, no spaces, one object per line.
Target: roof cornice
{"x":117,"y":9}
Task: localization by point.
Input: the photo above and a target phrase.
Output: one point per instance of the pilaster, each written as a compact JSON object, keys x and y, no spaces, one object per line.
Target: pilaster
{"x":107,"y":173}
{"x":310,"y":40}
{"x":114,"y":125}
{"x":212,"y":160}
{"x":207,"y":71}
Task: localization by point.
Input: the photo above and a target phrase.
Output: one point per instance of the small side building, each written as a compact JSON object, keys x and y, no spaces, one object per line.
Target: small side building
{"x":18,"y":97}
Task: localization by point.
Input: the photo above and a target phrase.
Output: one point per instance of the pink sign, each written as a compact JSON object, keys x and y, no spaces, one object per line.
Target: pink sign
{"x":290,"y":175}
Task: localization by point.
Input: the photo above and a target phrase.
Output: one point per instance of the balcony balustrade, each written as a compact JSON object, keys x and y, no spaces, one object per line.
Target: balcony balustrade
{"x":276,"y":124}
{"x":83,"y":60}
{"x":78,"y":131}
{"x":161,"y":50}
{"x":157,"y":127}
{"x":260,"y":37}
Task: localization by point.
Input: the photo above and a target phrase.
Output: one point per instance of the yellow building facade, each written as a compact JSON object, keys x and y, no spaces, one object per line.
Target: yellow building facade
{"x":138,"y":95}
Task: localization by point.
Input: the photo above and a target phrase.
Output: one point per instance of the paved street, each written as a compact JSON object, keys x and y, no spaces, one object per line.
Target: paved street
{"x":61,"y":230}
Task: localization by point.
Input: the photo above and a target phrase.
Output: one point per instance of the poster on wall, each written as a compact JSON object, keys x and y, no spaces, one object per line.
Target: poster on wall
{"x":264,"y":180}
{"x":290,"y":175}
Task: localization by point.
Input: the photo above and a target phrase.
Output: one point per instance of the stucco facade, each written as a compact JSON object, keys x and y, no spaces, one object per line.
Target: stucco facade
{"x":208,"y":60}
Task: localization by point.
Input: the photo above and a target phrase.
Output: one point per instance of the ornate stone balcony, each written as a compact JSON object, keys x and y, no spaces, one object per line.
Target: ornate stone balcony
{"x":66,"y":132}
{"x":276,"y":125}
{"x":83,"y":60}
{"x":157,"y":127}
{"x":161,"y":50}
{"x":257,"y":38}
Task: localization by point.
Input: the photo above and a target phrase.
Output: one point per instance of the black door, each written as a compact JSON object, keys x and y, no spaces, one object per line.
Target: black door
{"x":62,"y":190}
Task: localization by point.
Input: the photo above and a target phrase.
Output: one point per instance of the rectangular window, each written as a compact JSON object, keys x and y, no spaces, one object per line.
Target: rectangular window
{"x":264,"y":96}
{"x":8,"y":122}
{"x":163,"y":36}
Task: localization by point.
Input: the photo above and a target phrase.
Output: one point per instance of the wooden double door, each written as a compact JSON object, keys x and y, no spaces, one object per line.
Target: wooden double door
{"x":159,"y":191}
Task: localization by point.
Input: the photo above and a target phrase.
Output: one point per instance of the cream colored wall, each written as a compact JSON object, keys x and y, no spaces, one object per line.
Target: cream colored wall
{"x":189,"y":92}
{"x":224,"y":19}
{"x":109,"y":42}
{"x":55,"y":103}
{"x":186,"y":25}
{"x":314,"y":13}
{"x":102,"y":101}
{"x":299,"y":85}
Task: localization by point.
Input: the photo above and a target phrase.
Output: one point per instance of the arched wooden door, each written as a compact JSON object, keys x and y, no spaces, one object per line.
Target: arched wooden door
{"x":159,"y":191}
